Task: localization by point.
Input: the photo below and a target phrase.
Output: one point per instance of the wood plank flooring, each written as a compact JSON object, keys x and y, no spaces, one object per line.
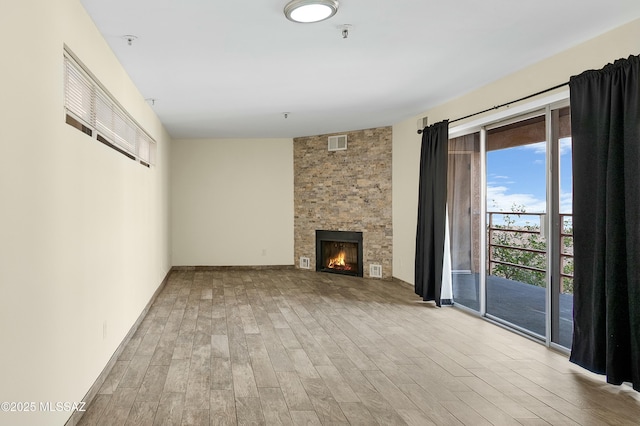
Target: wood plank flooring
{"x":290,"y":347}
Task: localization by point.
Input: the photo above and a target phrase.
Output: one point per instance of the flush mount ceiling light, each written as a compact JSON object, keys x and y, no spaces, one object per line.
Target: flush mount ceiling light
{"x":306,"y":11}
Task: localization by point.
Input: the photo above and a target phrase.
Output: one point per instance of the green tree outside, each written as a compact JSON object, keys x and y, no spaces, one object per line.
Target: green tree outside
{"x":524,"y":245}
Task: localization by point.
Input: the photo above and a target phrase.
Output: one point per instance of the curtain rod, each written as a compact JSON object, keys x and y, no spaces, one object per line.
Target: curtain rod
{"x":506,"y":103}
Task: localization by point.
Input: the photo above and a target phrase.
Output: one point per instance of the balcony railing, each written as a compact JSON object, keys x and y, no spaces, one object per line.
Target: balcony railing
{"x":518,"y":248}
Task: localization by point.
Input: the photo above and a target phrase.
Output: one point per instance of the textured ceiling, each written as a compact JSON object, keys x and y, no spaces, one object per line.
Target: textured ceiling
{"x":232,"y":68}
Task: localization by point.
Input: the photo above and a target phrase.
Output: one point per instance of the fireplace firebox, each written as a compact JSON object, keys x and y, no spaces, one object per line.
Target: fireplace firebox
{"x":339,"y":252}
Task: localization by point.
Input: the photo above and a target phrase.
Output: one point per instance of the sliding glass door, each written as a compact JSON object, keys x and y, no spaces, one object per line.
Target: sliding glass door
{"x":516,"y":188}
{"x":509,"y":206}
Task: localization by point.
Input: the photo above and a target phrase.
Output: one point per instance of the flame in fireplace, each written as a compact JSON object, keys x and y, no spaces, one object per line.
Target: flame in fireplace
{"x":338,"y":262}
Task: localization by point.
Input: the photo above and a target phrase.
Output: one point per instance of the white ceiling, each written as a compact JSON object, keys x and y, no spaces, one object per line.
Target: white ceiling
{"x":232,"y":68}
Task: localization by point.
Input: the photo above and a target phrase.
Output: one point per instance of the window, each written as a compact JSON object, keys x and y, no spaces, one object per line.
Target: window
{"x":92,"y":110}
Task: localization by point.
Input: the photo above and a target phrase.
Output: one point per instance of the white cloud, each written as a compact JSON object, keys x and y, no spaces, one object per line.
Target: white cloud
{"x":491,"y":183}
{"x":537,"y":148}
{"x":502,"y":178}
{"x":566,"y":202}
{"x":499,"y":200}
{"x":565,"y":146}
{"x":541,"y":147}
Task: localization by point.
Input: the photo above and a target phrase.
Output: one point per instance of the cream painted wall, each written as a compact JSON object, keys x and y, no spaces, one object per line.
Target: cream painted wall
{"x":593,"y":54}
{"x":232,"y":202}
{"x":84,"y":231}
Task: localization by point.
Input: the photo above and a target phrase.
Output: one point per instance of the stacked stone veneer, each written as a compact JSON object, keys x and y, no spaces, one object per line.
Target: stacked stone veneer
{"x":346,"y":190}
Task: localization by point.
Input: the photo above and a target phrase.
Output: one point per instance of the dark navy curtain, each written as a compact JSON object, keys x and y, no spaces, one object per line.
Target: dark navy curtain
{"x":432,"y":199}
{"x":605,"y":126}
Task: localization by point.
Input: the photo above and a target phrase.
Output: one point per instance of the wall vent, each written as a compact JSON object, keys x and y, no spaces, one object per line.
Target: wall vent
{"x":375,"y":271}
{"x":305,"y":263}
{"x":337,"y":143}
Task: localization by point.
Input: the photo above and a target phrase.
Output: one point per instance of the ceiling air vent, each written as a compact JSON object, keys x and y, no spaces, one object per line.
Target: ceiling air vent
{"x":337,"y":143}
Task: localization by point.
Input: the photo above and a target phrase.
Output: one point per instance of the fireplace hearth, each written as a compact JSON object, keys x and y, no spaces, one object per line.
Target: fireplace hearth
{"x":339,"y":252}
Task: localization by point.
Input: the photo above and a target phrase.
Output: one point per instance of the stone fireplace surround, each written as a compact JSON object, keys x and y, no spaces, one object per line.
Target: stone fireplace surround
{"x":348,"y":190}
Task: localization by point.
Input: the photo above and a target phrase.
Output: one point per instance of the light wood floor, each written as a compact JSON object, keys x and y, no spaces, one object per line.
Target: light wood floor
{"x":297,"y":347}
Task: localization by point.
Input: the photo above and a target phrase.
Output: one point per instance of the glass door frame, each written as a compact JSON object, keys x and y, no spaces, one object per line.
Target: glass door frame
{"x":508,"y":121}
{"x":548,"y":105}
{"x":554,"y":225}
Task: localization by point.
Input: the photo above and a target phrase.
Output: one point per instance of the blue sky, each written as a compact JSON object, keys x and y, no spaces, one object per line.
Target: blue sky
{"x":517,"y":176}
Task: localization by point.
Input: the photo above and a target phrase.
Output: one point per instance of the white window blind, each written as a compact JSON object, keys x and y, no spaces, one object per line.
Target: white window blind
{"x":78,"y":94}
{"x":88,"y":103}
